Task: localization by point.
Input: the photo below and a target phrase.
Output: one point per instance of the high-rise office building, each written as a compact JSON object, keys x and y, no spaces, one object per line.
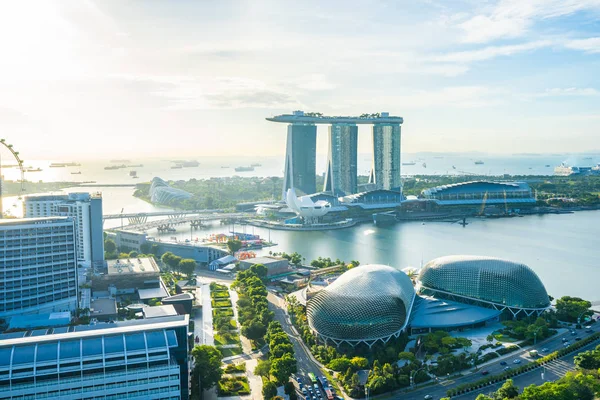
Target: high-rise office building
{"x":341,"y":172}
{"x":139,"y":359}
{"x":86,"y":211}
{"x":300,"y":158}
{"x":385,"y":173}
{"x":38,"y":266}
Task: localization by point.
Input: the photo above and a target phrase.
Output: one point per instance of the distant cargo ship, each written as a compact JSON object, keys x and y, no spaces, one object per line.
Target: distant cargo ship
{"x":113,"y":167}
{"x":188,"y":164}
{"x":76,"y":173}
{"x":62,"y":165}
{"x":33,"y":170}
{"x":409,"y":163}
{"x":178,"y":166}
{"x":133,"y":174}
{"x":565,"y":169}
{"x":256,"y":165}
{"x":478,"y":162}
{"x":244,"y":169}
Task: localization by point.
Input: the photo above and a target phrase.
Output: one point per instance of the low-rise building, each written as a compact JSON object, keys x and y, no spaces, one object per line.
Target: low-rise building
{"x":159,"y":311}
{"x":275,"y":265}
{"x":103,"y":309}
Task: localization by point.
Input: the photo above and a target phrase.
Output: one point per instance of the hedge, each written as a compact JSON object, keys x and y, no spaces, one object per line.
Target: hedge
{"x":490,"y":380}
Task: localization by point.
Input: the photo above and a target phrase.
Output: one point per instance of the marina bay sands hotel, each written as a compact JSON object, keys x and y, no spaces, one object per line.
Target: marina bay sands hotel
{"x":341,"y":173}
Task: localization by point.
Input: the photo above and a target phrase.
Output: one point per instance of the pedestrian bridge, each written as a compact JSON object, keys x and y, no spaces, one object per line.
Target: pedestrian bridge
{"x":195,"y":220}
{"x":142,"y":217}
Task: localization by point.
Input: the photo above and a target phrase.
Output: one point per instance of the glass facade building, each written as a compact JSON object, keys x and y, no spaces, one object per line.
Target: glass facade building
{"x":385,"y":172}
{"x":144,"y":359}
{"x":366,"y":304}
{"x":38,"y":266}
{"x":485,"y":281}
{"x":300,"y":159}
{"x":341,"y":172}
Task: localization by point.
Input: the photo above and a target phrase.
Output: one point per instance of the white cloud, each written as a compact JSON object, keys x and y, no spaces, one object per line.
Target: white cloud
{"x":491,"y":52}
{"x":571,"y":91}
{"x":589,"y":45}
{"x":513,"y":18}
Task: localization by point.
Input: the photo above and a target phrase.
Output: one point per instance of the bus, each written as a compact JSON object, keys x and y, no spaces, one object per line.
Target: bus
{"x":329,"y":394}
{"x":533,"y":353}
{"x":312,"y":377}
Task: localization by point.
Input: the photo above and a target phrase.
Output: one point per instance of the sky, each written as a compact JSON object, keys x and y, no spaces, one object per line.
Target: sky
{"x":145,"y":78}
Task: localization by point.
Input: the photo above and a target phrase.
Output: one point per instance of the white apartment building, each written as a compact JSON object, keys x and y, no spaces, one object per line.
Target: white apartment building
{"x":38,"y":266}
{"x":85,"y":210}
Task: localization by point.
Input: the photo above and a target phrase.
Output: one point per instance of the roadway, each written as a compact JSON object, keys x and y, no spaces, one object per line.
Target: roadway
{"x":304,"y":359}
{"x":554,"y":370}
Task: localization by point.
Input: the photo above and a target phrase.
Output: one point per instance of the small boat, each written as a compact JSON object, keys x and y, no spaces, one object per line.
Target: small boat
{"x":453,"y":167}
{"x":33,"y":170}
{"x":547,"y":165}
{"x":244,"y":169}
{"x":256,"y":165}
{"x":178,"y":166}
{"x":76,"y":173}
{"x":424,"y":165}
{"x":224,"y":166}
{"x":133,"y":174}
{"x":478,"y":162}
{"x":409,"y":163}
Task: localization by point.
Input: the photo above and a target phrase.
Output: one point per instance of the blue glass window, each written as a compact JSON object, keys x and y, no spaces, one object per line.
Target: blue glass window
{"x":23,"y":355}
{"x":70,"y":349}
{"x":135,"y":342}
{"x":5,"y":355}
{"x":47,"y":352}
{"x":92,"y":347}
{"x":113,"y":344}
{"x":155,"y":339}
{"x":172,"y":338}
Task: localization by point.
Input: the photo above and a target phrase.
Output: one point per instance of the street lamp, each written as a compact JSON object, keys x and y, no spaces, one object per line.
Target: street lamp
{"x":580,"y":315}
{"x":413,"y":374}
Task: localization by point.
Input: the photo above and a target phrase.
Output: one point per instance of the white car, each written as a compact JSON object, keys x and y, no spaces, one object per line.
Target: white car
{"x":517,"y":361}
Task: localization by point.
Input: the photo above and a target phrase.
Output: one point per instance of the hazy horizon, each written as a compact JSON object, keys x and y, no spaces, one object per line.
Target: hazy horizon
{"x":84,"y":79}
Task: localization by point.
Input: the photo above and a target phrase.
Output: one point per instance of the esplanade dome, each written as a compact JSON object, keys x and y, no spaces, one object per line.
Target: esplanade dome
{"x":489,"y":280}
{"x":365,"y":304}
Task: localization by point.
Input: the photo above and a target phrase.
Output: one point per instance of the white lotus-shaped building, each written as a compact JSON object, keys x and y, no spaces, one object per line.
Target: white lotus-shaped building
{"x":305,"y":207}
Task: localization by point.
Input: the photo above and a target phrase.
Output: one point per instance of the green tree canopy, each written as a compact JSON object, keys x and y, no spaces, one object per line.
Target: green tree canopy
{"x":234,"y":245}
{"x":571,"y":308}
{"x":269,"y":390}
{"x":187,"y":266}
{"x":282,"y":368}
{"x":110,"y":246}
{"x":263,"y":368}
{"x":260,"y":270}
{"x":207,"y":365}
{"x":254,"y":330}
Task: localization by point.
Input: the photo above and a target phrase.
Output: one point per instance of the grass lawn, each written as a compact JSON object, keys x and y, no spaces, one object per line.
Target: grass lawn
{"x":214,"y":286}
{"x":221,"y":303}
{"x":503,"y":338}
{"x":234,"y":386}
{"x":227,"y":312}
{"x":220,"y":340}
{"x":221,"y":294}
{"x":233,"y":351}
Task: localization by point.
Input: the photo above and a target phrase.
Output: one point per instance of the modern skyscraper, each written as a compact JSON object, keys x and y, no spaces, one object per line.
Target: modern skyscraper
{"x":341,"y":172}
{"x":300,"y":158}
{"x":86,"y":211}
{"x":139,"y":359}
{"x":385,"y":172}
{"x":38,"y":266}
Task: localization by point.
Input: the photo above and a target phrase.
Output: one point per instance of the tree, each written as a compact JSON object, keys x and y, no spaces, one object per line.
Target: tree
{"x":571,"y":308}
{"x":260,"y":270}
{"x":154,"y":302}
{"x":339,"y":364}
{"x":254,"y":330}
{"x":282,"y":368}
{"x":110,"y":246}
{"x":490,"y":338}
{"x":187,"y":266}
{"x":507,"y":391}
{"x":234,"y":245}
{"x":407,"y":355}
{"x":207,"y":366}
{"x":263,"y":368}
{"x":171,"y":260}
{"x":281,"y":349}
{"x":290,"y":390}
{"x":269,"y":390}
{"x":588,"y":359}
{"x":133,"y":254}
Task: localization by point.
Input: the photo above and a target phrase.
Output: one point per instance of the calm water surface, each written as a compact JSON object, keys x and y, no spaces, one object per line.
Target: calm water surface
{"x":564,"y":250}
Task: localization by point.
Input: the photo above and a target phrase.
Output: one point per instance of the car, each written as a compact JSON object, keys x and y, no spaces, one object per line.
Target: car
{"x":588,"y":327}
{"x":304,"y":391}
{"x":573,"y":333}
{"x":577,"y":338}
{"x":517,"y":361}
{"x":300,"y":385}
{"x":485,"y":372}
{"x":566,"y":344}
{"x":545,"y":350}
{"x":506,"y":368}
{"x":502,"y":362}
{"x":298,"y":379}
{"x":428,"y":397}
{"x":564,"y":339}
{"x":316,"y":387}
